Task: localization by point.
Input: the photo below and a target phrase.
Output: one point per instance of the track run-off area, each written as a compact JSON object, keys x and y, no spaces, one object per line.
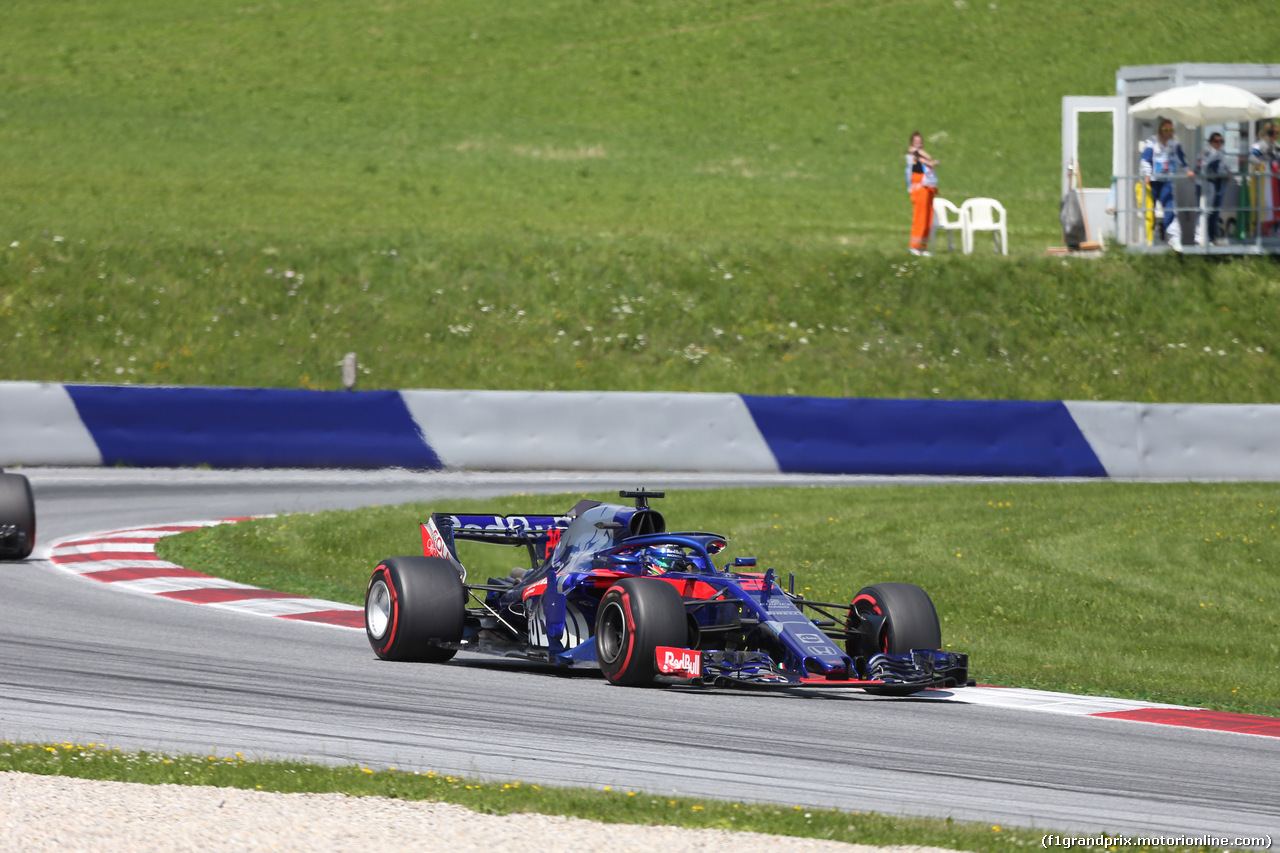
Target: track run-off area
{"x":192,"y":666}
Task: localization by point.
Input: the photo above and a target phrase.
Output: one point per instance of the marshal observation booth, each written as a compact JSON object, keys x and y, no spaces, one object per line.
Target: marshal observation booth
{"x":1103,"y":138}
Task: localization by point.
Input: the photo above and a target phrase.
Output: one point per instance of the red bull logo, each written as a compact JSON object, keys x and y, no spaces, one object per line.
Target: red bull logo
{"x":433,"y":544}
{"x":682,"y":663}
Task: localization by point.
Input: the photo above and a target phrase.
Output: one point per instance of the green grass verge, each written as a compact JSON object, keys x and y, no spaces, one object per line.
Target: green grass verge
{"x":621,"y":806}
{"x":1159,"y":592}
{"x":641,"y":315}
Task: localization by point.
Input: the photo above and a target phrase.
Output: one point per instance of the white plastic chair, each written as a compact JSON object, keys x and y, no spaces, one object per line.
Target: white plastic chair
{"x":985,"y":214}
{"x":947,"y":217}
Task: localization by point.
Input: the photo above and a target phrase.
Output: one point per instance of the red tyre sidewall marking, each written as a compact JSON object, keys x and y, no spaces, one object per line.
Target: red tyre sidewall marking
{"x":395,"y":606}
{"x":630,"y":624}
{"x":875,"y":607}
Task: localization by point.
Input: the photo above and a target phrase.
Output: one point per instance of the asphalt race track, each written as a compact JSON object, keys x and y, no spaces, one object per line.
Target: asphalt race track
{"x":84,"y":663}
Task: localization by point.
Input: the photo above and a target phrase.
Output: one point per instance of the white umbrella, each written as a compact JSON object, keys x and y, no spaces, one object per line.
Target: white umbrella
{"x":1203,"y":103}
{"x":1274,"y":110}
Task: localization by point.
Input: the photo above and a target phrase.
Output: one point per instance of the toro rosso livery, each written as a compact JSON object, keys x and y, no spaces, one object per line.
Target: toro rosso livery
{"x":609,"y":586}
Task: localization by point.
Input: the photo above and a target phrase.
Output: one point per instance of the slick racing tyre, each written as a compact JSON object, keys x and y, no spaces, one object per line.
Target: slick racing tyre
{"x":17,"y":517}
{"x":412,"y":606}
{"x":892,"y":618}
{"x":636,"y":616}
{"x":904,"y":616}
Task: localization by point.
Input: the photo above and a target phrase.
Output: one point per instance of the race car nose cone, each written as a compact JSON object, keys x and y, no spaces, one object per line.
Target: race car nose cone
{"x":831,"y":669}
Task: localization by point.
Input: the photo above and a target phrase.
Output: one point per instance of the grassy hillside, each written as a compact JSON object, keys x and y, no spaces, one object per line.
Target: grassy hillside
{"x":645,"y":316}
{"x":769,"y":118}
{"x":239,"y":193}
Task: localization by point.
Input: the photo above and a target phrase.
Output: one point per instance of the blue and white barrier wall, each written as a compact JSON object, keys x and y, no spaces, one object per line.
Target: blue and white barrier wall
{"x":54,"y":424}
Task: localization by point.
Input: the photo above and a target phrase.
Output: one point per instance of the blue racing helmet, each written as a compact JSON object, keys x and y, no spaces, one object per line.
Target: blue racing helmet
{"x":660,"y":559}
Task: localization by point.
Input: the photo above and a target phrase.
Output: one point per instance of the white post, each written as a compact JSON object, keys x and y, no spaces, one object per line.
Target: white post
{"x":349,"y":365}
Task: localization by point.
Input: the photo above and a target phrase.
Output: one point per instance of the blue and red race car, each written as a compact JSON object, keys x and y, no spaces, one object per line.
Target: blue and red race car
{"x":610,"y":586}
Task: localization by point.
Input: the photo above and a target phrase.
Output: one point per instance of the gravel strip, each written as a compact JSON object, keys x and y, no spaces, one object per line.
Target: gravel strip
{"x":48,"y":813}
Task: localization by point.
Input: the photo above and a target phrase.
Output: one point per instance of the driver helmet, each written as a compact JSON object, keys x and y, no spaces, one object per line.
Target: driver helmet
{"x":661,"y":559}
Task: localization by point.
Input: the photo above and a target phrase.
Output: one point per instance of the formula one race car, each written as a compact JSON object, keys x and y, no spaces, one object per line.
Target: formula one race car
{"x":609,"y":586}
{"x":17,"y":517}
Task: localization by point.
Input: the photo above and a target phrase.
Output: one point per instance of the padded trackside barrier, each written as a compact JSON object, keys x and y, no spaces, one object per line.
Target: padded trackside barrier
{"x":88,"y":425}
{"x":1176,"y":441}
{"x":39,"y":425}
{"x":958,"y":437}
{"x":591,"y":430}
{"x":251,"y":428}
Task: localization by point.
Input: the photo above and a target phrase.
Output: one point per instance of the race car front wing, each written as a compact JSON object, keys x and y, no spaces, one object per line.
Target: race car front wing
{"x":921,"y":668}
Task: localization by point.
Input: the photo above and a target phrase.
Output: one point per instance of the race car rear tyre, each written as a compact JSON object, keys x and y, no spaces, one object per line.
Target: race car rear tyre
{"x":909,"y":621}
{"x":17,"y":508}
{"x":411,"y":606}
{"x":636,"y":616}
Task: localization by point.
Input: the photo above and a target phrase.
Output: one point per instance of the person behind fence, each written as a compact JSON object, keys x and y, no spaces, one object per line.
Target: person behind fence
{"x":1162,"y":157}
{"x":922,"y":186}
{"x":1215,"y":171}
{"x":1264,"y":162}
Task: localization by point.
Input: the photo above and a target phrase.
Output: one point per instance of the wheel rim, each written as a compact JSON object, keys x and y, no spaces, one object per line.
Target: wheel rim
{"x":377,"y":609}
{"x":611,"y":632}
{"x":882,"y":640}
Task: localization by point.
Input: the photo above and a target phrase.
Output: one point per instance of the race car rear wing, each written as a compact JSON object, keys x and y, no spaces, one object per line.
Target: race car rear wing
{"x":538,"y":533}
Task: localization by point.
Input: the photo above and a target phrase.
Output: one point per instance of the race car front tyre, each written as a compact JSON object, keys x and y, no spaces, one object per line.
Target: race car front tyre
{"x":909,"y":620}
{"x":892,"y":618}
{"x":17,"y":517}
{"x":636,"y":616}
{"x":411,"y":606}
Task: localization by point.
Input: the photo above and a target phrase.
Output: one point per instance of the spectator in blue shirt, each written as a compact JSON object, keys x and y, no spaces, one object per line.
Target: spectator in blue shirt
{"x":1162,"y":157}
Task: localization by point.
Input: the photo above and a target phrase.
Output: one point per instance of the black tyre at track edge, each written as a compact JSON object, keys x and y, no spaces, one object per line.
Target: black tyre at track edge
{"x":18,"y":507}
{"x":636,"y":616}
{"x":427,"y":606}
{"x":911,"y":622}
